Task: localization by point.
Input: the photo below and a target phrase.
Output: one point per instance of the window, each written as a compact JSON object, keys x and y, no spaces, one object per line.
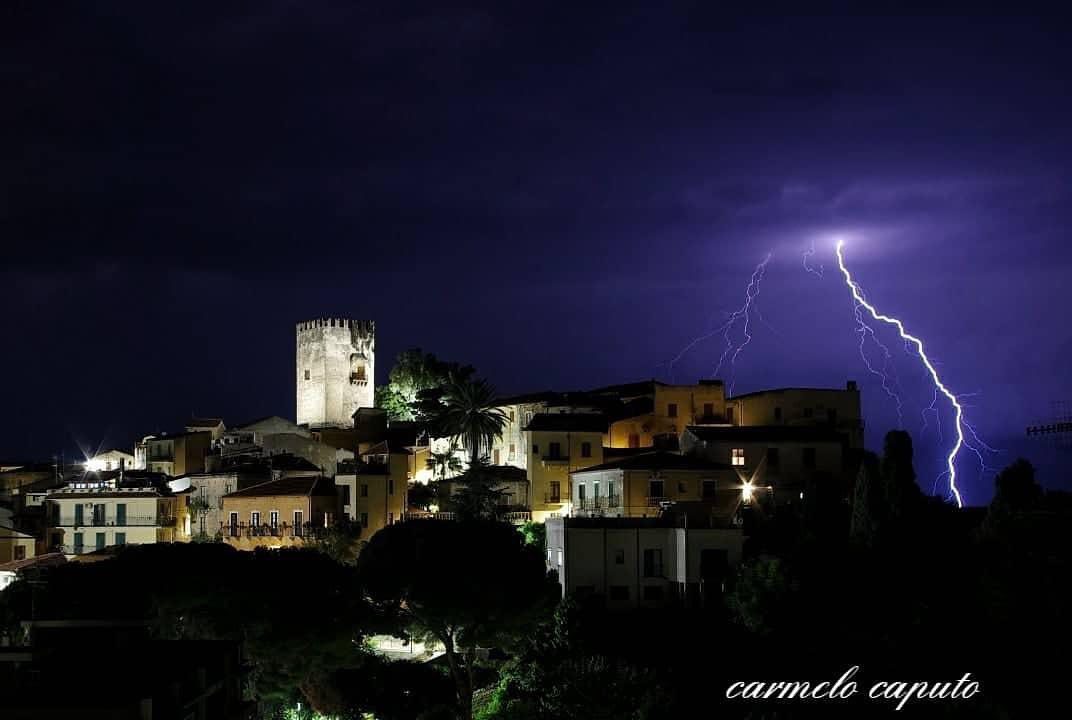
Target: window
{"x":255,"y":519}
{"x":98,"y":514}
{"x":20,"y":552}
{"x":586,"y":449}
{"x":299,"y":523}
{"x":777,"y":414}
{"x":809,"y":458}
{"x":511,"y":416}
{"x":653,"y":563}
{"x":634,"y":440}
{"x":78,"y":546}
{"x":345,"y":494}
{"x":120,"y":538}
{"x":774,"y":458}
{"x":550,"y":561}
{"x":513,"y":452}
{"x":100,"y":541}
{"x":79,"y":515}
{"x":831,"y":416}
{"x":556,"y":489}
{"x":390,"y":518}
{"x":306,"y":374}
{"x":619,"y":593}
{"x":619,"y":557}
{"x":737,"y":457}
{"x":671,"y":410}
{"x":709,"y":488}
{"x":709,"y":410}
{"x":391,"y":485}
{"x":808,"y":412}
{"x":232,"y":522}
{"x":535,"y":449}
{"x":580,"y":493}
{"x":656,"y":489}
{"x":729,"y":414}
{"x":554,"y":450}
{"x":653,"y":593}
{"x":495,"y":456}
{"x":273,"y":517}
{"x":364,"y":489}
{"x":121,"y":514}
{"x":364,"y":520}
{"x":682,"y":487}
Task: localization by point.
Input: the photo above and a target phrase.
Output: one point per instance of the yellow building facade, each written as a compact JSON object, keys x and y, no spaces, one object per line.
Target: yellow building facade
{"x":281,"y":513}
{"x":824,"y":407}
{"x":560,"y":443}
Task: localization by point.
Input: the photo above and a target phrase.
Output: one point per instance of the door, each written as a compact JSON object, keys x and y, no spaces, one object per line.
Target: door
{"x":121,"y":514}
{"x":233,"y":524}
{"x":299,"y":523}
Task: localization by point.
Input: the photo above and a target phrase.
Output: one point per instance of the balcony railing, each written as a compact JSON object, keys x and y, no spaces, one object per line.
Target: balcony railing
{"x":308,"y":530}
{"x":555,"y":459}
{"x":552,"y":498}
{"x":599,"y":503}
{"x":129,"y":521}
{"x":656,"y":500}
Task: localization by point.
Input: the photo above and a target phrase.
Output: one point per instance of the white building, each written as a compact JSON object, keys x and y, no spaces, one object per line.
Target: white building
{"x":110,"y":460}
{"x":96,"y":515}
{"x":641,"y":562}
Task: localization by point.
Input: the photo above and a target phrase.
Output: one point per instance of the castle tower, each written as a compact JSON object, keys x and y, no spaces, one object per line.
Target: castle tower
{"x":335,"y":370}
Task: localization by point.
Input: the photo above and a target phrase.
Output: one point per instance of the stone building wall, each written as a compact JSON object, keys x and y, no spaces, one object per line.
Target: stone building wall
{"x":335,"y":370}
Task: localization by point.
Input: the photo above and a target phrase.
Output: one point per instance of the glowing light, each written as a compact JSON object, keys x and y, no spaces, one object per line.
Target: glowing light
{"x":747,"y":491}
{"x":960,"y":424}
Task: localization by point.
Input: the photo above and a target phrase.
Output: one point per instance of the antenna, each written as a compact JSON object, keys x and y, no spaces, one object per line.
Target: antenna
{"x":1056,"y":430}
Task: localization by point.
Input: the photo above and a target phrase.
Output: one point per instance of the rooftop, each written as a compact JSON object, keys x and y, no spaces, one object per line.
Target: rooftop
{"x":657,"y":460}
{"x":850,"y":386}
{"x":765,"y":433}
{"x":568,"y":422}
{"x":301,"y":485}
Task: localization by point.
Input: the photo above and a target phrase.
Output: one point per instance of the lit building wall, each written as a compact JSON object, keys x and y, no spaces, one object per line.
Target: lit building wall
{"x":335,"y":370}
{"x":549,"y":473}
{"x":827,"y":407}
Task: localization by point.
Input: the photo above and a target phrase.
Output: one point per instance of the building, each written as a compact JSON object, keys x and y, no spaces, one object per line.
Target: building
{"x":273,"y":436}
{"x":279,"y":513}
{"x":650,"y":410}
{"x":207,"y":490}
{"x":509,"y":448}
{"x":18,"y":477}
{"x":109,"y":460}
{"x":177,"y":454}
{"x":823,"y":407}
{"x":642,"y":484}
{"x":374,"y":489}
{"x":102,"y":510}
{"x":784,"y":458}
{"x":214,"y":426}
{"x":16,"y":545}
{"x":335,"y":370}
{"x":560,"y":443}
{"x":642,"y":562}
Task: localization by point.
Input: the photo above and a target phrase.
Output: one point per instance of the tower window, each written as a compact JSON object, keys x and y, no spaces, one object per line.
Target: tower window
{"x":737,"y":457}
{"x":306,"y":374}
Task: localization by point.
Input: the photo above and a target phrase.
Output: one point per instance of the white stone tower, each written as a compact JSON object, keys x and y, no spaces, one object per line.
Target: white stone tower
{"x":336,"y":364}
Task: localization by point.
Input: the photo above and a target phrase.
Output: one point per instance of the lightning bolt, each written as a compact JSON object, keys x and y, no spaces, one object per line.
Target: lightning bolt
{"x":724,"y":329}
{"x":744,"y":312}
{"x":909,"y":339}
{"x":810,"y":252}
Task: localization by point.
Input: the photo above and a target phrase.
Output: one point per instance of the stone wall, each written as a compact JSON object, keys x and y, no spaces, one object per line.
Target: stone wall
{"x":335,"y":370}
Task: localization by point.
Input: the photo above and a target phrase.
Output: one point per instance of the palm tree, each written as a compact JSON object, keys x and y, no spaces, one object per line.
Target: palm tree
{"x":445,"y":464}
{"x":470,"y":417}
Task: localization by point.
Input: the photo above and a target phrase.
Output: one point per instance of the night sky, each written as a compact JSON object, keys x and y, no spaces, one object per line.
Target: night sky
{"x":561,"y":197}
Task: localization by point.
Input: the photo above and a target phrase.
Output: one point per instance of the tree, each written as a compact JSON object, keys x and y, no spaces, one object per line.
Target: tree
{"x":340,"y":541}
{"x":866,"y":504}
{"x":445,"y":464}
{"x":470,"y":417}
{"x":464,"y":584}
{"x":762,"y":598}
{"x":902,"y":494}
{"x":413,"y":382}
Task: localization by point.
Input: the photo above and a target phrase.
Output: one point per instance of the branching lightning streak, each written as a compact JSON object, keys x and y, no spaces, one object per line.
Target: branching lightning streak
{"x":724,"y":329}
{"x":810,"y":252}
{"x":960,"y":423}
{"x":745,"y":311}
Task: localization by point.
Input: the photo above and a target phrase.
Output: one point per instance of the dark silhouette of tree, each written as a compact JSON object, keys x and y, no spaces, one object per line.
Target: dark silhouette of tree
{"x":340,"y":541}
{"x":867,"y":501}
{"x":464,"y":584}
{"x":761,"y":598}
{"x":902,"y":494}
{"x":469,"y":416}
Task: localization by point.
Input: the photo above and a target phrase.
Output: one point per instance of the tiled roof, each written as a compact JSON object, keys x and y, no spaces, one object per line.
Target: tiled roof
{"x":301,"y":485}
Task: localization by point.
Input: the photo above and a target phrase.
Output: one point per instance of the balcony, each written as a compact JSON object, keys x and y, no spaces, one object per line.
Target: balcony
{"x":310,"y":531}
{"x":552,"y":499}
{"x":129,"y":521}
{"x":656,"y":500}
{"x":599,"y":503}
{"x":555,"y":460}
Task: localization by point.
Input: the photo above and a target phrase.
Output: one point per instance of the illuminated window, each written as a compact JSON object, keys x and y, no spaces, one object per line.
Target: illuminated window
{"x":737,"y":457}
